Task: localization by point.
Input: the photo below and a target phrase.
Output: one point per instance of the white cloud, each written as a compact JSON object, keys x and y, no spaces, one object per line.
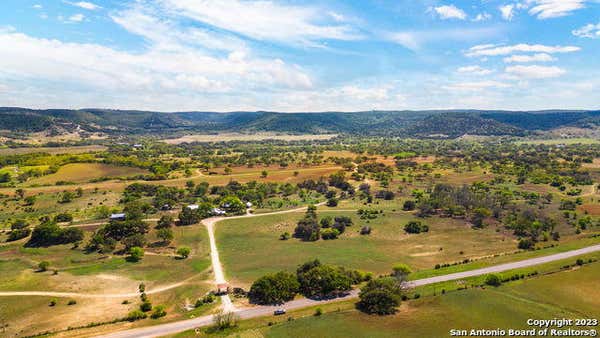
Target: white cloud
{"x":37,"y":6}
{"x":474,"y":70}
{"x":480,"y":47}
{"x":534,"y":72}
{"x":264,"y":20}
{"x":482,"y":17}
{"x":539,"y":57}
{"x":77,"y":18}
{"x":154,"y":72}
{"x":409,"y":40}
{"x":546,"y":9}
{"x":372,"y":94}
{"x":414,"y":40}
{"x":484,"y":50}
{"x":507,"y":11}
{"x":450,"y":12}
{"x":348,"y":97}
{"x":337,"y":17}
{"x":85,"y":5}
{"x":165,"y":34}
{"x":476,"y":86}
{"x":588,"y":31}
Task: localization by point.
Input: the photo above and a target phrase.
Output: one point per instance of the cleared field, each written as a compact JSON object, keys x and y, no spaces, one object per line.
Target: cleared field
{"x":245,"y":175}
{"x":557,"y":141}
{"x":94,"y":273}
{"x":82,"y":208}
{"x":83,"y":172}
{"x":247,"y":137}
{"x":53,"y":150}
{"x":251,"y":247}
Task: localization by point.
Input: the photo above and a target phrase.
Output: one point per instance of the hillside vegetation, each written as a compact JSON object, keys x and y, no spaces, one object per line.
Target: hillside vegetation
{"x":428,"y":124}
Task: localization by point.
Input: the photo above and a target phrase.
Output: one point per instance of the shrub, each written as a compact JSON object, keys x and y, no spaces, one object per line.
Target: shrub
{"x":208,"y":298}
{"x":326,"y":222}
{"x":318,"y":311}
{"x":224,"y":320}
{"x":43,"y":266}
{"x":415,"y":227}
{"x":135,"y":254}
{"x":493,"y":280}
{"x":401,"y":271}
{"x":409,"y":205}
{"x":19,"y":224}
{"x":165,"y":222}
{"x":579,"y":262}
{"x":146,"y":306}
{"x":526,"y":244}
{"x":136,"y":240}
{"x":365,"y":230}
{"x":72,"y":302}
{"x":135,"y":315}
{"x":63,"y":217}
{"x":159,"y":311}
{"x":329,"y":233}
{"x":165,"y":234}
{"x":284,"y":236}
{"x":18,"y":234}
{"x":332,"y":202}
{"x":184,"y":252}
{"x":52,"y":302}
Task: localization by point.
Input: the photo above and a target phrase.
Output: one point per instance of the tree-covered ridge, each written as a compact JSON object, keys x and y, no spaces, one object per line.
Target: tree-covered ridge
{"x":423,"y":124}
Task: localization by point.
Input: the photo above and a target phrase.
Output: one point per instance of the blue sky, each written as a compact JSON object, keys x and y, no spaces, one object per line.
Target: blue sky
{"x":225,"y":55}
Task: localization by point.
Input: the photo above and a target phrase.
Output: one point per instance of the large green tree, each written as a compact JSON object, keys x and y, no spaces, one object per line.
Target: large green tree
{"x":380,"y":296}
{"x":274,"y":289}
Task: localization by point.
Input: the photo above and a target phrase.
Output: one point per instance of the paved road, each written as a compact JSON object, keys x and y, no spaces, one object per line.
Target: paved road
{"x":259,"y":311}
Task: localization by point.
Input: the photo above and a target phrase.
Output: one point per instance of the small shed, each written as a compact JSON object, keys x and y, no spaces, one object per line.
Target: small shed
{"x":193,"y":206}
{"x":248,"y":204}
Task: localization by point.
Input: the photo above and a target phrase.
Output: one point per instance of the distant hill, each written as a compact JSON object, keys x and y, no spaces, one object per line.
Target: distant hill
{"x":424,"y":124}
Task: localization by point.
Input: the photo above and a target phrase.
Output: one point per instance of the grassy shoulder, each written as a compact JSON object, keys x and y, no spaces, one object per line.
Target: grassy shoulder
{"x":569,"y":293}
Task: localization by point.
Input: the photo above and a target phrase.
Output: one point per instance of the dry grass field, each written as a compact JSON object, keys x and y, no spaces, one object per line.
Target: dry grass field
{"x":53,"y":150}
{"x":84,"y":172}
{"x":247,"y":137}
